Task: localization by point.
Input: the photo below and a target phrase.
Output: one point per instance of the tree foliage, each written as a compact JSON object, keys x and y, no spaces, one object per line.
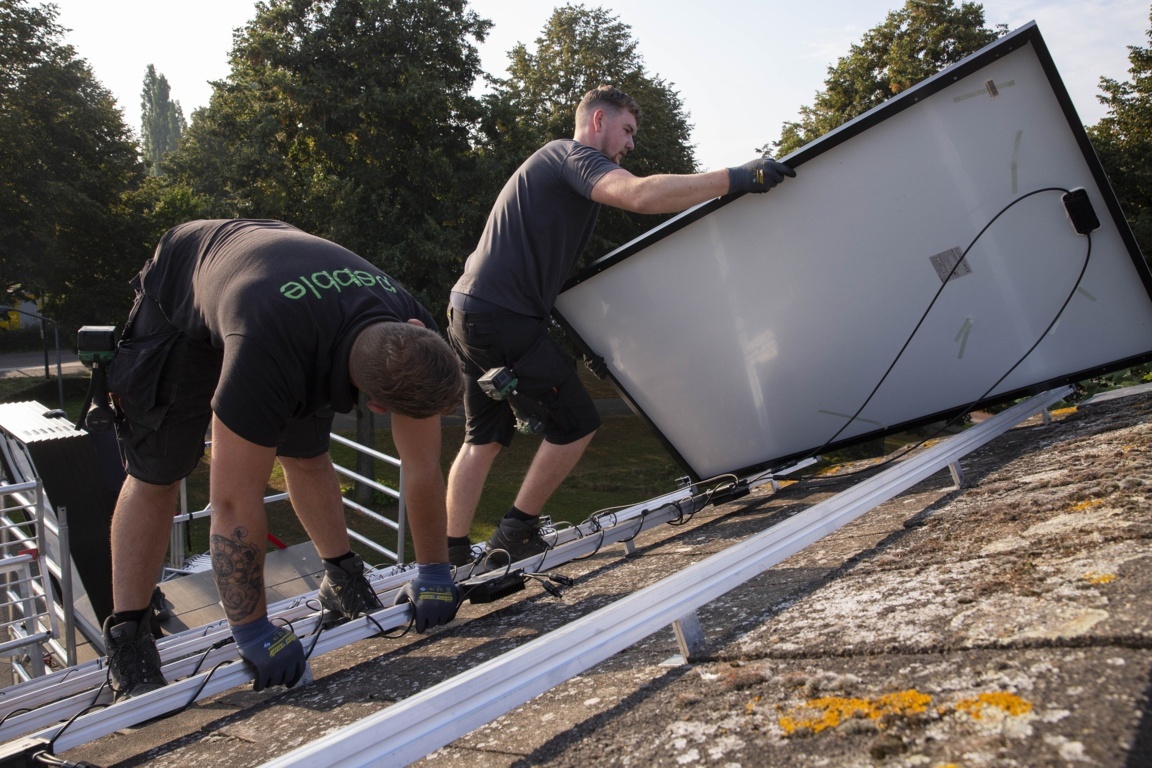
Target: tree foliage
{"x":913,"y":43}
{"x":1123,"y":140}
{"x":579,"y":49}
{"x":67,"y":236}
{"x":162,"y":120}
{"x":349,"y":119}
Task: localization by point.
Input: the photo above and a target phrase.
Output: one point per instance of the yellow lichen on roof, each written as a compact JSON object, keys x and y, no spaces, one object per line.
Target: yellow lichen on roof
{"x":1002,"y":700}
{"x":828,"y":712}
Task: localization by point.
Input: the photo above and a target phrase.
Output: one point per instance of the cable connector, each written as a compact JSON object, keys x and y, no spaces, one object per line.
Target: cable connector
{"x":737,"y":490}
{"x":221,"y":643}
{"x":494,"y":589}
{"x":551,"y":589}
{"x":554,"y":578}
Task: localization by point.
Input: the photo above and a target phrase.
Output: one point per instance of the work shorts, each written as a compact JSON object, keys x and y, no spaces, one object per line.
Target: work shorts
{"x":162,"y":383}
{"x":547,"y":382}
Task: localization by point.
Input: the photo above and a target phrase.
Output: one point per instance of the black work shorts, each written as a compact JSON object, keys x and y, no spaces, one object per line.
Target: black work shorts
{"x":546,"y":378}
{"x":162,"y":383}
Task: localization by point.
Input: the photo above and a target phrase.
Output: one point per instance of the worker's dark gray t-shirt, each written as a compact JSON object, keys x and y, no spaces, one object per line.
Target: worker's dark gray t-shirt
{"x":537,"y":229}
{"x":282,"y":305}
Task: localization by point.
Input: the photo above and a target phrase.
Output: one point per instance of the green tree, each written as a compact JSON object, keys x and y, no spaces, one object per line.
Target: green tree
{"x":67,"y":236}
{"x":162,"y":120}
{"x":1123,"y":141}
{"x":579,"y":49}
{"x":913,"y":43}
{"x":350,"y":120}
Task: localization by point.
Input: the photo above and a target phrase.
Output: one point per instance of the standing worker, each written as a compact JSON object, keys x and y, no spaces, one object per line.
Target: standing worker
{"x":265,"y":331}
{"x":499,"y":308}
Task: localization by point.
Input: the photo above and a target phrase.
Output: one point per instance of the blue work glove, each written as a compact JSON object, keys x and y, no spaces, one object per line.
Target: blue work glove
{"x":433,"y":595}
{"x":758,"y":175}
{"x":273,"y":652}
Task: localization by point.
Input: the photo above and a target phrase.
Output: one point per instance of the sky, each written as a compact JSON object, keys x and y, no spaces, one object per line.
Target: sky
{"x":742,"y":68}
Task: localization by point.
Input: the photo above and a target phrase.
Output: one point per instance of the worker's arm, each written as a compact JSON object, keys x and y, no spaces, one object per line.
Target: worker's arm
{"x":670,"y":193}
{"x":418,"y":443}
{"x":238,"y":477}
{"x":660,"y":193}
{"x":433,"y":593}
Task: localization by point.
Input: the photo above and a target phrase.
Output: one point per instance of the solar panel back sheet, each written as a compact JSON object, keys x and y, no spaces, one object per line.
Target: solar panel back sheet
{"x":925,"y":260}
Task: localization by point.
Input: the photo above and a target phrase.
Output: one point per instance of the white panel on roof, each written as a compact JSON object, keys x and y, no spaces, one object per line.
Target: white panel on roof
{"x":757,"y":329}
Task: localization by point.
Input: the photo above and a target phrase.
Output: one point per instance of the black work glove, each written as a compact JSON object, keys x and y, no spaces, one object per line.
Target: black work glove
{"x":433,"y":595}
{"x":596,"y":364}
{"x":273,"y":652}
{"x":758,"y":175}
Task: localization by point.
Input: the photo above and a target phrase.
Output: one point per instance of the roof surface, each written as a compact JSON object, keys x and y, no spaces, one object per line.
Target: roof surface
{"x":1007,"y":623}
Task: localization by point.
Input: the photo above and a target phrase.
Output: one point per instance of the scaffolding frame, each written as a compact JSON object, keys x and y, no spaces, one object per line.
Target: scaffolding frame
{"x":36,"y":619}
{"x":178,"y":564}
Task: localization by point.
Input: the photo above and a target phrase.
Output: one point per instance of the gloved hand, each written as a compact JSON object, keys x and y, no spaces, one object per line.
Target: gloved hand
{"x":596,"y":364}
{"x":273,"y":652}
{"x":758,"y":175}
{"x":433,"y":595}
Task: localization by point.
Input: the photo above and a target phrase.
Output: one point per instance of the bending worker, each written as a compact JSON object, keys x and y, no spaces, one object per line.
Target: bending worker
{"x":264,"y":331}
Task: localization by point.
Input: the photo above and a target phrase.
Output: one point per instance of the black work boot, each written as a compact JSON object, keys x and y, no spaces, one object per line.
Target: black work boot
{"x":462,"y":554}
{"x":518,"y":538}
{"x":345,"y":590}
{"x":133,"y":660}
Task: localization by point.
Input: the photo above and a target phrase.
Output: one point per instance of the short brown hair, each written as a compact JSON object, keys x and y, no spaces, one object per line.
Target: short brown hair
{"x":408,"y":369}
{"x":608,"y":96}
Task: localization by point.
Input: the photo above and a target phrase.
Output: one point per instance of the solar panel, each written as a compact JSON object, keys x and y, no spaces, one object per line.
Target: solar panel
{"x":933,"y":255}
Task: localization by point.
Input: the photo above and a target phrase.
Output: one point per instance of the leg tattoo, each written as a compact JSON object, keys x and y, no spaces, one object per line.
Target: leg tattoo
{"x":236,"y":566}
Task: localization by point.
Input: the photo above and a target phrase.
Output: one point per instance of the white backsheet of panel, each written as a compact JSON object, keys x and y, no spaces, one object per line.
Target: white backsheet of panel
{"x":757,"y":331}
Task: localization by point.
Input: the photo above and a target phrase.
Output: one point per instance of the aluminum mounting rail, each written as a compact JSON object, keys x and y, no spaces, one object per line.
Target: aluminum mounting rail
{"x":420,"y":724}
{"x":55,"y":698}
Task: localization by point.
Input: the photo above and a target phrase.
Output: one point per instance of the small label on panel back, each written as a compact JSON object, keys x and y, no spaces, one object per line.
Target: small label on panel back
{"x":950,"y":264}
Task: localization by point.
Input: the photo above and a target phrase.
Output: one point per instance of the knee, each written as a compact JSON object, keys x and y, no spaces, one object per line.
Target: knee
{"x":321,"y":463}
{"x":134,"y":488}
{"x":486,"y":452}
{"x":476,"y":457}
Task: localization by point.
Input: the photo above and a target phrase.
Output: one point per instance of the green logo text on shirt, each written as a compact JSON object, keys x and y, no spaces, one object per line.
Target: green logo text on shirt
{"x":318,"y":282}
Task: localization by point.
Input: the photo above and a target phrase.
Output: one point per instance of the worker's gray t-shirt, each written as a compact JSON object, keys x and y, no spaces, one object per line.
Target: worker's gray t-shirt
{"x":537,"y":229}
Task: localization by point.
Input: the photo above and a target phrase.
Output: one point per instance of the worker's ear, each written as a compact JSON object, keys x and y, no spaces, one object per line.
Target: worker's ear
{"x":598,"y":120}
